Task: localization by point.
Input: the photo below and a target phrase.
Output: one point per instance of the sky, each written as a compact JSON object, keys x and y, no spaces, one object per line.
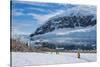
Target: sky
{"x":27,"y":16}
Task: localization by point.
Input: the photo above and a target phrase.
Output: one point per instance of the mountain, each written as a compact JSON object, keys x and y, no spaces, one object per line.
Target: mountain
{"x":76,"y":17}
{"x":73,"y":29}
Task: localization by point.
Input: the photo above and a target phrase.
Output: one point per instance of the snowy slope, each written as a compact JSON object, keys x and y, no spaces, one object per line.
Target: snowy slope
{"x":31,"y":59}
{"x":68,"y":34}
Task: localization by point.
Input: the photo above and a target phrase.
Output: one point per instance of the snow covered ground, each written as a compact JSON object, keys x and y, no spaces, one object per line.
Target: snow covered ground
{"x":20,"y":59}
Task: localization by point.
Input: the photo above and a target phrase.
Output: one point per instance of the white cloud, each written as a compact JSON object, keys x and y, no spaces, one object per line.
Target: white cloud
{"x":43,"y":18}
{"x":22,"y":28}
{"x":39,"y":9}
{"x":32,"y":3}
{"x":17,"y":12}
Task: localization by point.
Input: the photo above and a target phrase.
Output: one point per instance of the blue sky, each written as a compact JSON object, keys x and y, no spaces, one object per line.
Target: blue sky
{"x":27,"y":16}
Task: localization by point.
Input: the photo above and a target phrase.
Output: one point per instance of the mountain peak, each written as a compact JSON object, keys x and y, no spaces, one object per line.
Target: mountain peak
{"x":79,"y":16}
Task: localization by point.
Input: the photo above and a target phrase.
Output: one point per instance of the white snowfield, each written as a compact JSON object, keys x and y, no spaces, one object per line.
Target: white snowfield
{"x":20,"y":59}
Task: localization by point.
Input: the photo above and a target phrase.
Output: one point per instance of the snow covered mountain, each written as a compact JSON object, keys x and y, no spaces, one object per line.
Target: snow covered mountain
{"x":75,"y":26}
{"x":76,"y":17}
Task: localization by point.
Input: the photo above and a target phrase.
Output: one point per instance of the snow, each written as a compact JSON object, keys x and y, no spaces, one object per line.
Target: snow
{"x":80,"y":11}
{"x":69,"y":30}
{"x":31,"y":58}
{"x":68,"y":33}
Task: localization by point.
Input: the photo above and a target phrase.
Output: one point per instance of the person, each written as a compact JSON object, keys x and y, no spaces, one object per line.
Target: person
{"x":78,"y":55}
